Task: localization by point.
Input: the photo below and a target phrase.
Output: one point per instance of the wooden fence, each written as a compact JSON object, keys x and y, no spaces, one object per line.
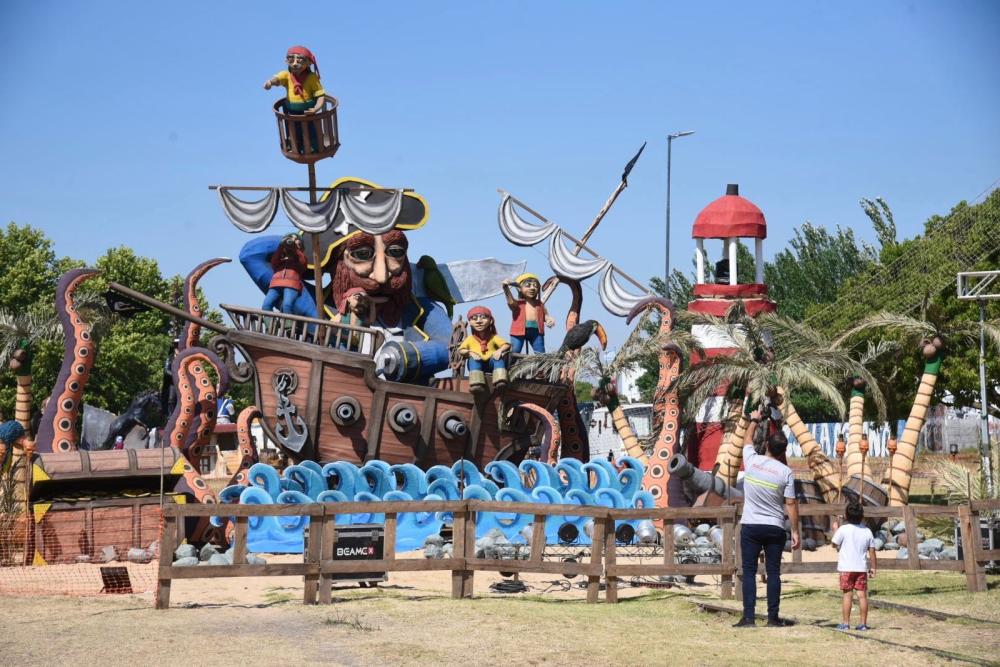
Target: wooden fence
{"x":318,"y":566}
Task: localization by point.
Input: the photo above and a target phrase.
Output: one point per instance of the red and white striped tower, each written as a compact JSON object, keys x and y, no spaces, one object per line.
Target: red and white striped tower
{"x":729,"y":219}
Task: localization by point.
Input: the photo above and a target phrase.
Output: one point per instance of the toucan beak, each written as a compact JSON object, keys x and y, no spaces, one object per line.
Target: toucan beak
{"x":601,"y":336}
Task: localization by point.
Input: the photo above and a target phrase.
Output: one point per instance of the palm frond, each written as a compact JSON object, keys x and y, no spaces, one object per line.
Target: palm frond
{"x":908,"y":327}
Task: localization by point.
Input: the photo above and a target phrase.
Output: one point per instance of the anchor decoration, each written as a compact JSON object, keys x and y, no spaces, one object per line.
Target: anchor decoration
{"x":290,"y":428}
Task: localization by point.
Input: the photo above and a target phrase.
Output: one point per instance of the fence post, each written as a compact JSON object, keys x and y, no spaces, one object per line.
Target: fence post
{"x":975,"y":577}
{"x":611,"y":582}
{"x":538,"y":539}
{"x":727,"y":557}
{"x":738,"y":559}
{"x":311,"y":581}
{"x":168,"y":538}
{"x":326,"y":555}
{"x":463,"y":547}
{"x":596,"y":547}
{"x":910,"y":524}
{"x":240,"y":540}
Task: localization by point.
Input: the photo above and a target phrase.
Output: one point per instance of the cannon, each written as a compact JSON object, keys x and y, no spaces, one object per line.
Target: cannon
{"x":707,"y":487}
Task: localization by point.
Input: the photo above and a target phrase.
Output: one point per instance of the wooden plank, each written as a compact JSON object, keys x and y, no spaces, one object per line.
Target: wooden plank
{"x":311,"y":556}
{"x":215,"y":509}
{"x":674,"y":513}
{"x":910,"y":522}
{"x":985,"y":505}
{"x":738,"y":560}
{"x":326,"y":554}
{"x":726,"y":586}
{"x":658,"y":570}
{"x":216,"y":571}
{"x":594,"y":580}
{"x":397,"y":565}
{"x":458,"y":550}
{"x":240,"y":540}
{"x":427,"y":426}
{"x":470,"y":551}
{"x":538,"y":508}
{"x":399,"y":506}
{"x":610,"y":580}
{"x":168,"y":537}
{"x":537,"y":539}
{"x":975,"y":577}
{"x":314,"y":407}
{"x":669,"y":550}
{"x":391,"y":520}
{"x":375,"y":422}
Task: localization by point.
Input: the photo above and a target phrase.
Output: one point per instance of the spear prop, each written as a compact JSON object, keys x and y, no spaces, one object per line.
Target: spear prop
{"x":551,"y":286}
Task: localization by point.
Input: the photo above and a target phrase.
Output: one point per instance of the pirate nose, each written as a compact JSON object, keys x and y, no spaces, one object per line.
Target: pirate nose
{"x":380,"y":272}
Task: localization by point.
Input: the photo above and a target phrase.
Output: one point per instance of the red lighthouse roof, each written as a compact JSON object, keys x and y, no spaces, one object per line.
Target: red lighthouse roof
{"x":730,"y":216}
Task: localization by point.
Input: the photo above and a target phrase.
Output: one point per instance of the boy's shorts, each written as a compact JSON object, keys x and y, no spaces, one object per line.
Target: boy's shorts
{"x":853,"y":581}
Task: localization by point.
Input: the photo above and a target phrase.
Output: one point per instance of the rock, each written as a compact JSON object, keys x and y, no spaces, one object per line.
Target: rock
{"x":83,"y":558}
{"x":702,"y":541}
{"x":185,"y":551}
{"x":920,"y":536}
{"x":809,"y":544}
{"x":902,"y":540}
{"x":447,"y":551}
{"x":208,"y":551}
{"x":898,"y":528}
{"x":154,"y":549}
{"x":186,"y":561}
{"x":219,"y":559}
{"x":436,"y":540}
{"x":934,"y":544}
{"x":891,"y":546}
{"x":902,"y":554}
{"x":136,"y":555}
{"x":702,"y":529}
{"x":107,"y":554}
{"x":878,"y":543}
{"x":949,"y":553}
{"x":788,"y":545}
{"x":254,"y":559}
{"x":432,"y":551}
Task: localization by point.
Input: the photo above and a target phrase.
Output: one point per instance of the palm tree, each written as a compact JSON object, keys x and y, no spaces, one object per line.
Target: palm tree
{"x":856,"y":463}
{"x":770,"y":356}
{"x":932,"y":331}
{"x":19,"y":334}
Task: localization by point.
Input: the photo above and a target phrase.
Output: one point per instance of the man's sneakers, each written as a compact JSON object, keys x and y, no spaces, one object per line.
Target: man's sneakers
{"x":776,"y":623}
{"x":745,"y":623}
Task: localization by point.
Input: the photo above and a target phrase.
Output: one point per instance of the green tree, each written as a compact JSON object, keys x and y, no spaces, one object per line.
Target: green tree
{"x":30,"y":268}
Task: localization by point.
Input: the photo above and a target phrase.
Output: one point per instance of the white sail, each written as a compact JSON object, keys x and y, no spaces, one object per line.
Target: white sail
{"x":519,"y":231}
{"x":251,"y":217}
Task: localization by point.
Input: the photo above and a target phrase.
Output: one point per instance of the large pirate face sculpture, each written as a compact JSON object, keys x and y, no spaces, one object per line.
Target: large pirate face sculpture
{"x":378,"y":264}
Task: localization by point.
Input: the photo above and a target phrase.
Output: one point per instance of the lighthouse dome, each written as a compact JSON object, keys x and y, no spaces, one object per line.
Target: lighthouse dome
{"x":730,"y":216}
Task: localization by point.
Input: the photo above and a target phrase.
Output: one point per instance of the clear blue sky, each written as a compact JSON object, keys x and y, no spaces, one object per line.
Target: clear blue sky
{"x":116,"y":116}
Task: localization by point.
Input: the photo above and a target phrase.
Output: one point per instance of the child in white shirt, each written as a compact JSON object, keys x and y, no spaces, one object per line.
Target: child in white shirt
{"x":855,"y":543}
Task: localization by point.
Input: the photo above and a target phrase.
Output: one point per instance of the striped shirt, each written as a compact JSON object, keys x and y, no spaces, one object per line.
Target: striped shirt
{"x":767,"y":483}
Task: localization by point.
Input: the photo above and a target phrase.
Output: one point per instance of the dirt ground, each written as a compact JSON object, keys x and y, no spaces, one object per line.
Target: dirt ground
{"x":411,"y":620}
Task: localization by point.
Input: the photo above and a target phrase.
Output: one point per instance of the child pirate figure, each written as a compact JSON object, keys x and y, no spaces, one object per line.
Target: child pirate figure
{"x":485,"y":350}
{"x":304,"y":93}
{"x":528,"y":313}
{"x":289,"y":264}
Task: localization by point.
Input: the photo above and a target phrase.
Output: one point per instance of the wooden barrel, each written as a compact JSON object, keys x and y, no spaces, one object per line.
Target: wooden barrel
{"x":867,"y":490}
{"x":817,"y":527}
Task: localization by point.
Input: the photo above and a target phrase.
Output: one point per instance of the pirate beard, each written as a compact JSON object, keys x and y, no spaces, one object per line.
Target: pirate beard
{"x":398,"y":291}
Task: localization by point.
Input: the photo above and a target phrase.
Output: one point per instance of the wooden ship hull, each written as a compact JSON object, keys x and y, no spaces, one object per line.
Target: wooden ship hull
{"x":321,"y":399}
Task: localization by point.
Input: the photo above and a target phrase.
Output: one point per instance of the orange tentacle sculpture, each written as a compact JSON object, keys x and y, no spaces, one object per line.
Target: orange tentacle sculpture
{"x":57,"y":430}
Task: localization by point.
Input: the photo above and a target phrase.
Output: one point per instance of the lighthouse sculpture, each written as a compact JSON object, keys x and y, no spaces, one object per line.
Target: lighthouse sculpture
{"x":726,"y":220}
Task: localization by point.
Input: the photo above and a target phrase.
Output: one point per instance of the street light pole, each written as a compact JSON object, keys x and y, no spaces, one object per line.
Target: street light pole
{"x":670,"y":141}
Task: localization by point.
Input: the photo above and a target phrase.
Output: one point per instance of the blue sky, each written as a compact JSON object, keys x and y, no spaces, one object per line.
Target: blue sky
{"x":117,"y":116}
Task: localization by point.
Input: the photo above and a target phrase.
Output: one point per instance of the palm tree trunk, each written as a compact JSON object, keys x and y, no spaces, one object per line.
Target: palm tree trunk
{"x":906,"y":447}
{"x":856,"y":464}
{"x":629,"y":440}
{"x":22,"y":405}
{"x":730,"y":455}
{"x":824,"y":472}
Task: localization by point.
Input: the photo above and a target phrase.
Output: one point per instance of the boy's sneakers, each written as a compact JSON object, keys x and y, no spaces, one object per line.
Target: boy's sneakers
{"x":843,"y":626}
{"x":862,"y":627}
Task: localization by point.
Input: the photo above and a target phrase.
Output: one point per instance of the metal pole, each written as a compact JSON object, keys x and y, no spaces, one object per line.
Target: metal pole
{"x":984,"y":437}
{"x":666,"y":270}
{"x":317,"y":256}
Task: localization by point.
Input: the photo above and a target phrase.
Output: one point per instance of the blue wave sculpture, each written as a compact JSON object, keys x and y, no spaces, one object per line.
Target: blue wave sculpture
{"x":570,"y":481}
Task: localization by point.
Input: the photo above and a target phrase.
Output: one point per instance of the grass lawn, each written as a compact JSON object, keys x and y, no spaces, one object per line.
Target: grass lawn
{"x":410,"y":625}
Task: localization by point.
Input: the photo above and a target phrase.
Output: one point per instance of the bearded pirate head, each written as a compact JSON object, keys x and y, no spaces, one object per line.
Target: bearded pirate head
{"x":378,"y":264}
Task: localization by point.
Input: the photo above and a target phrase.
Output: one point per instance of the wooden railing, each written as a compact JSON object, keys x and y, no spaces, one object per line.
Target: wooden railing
{"x":318,"y":566}
{"x":325,"y":333}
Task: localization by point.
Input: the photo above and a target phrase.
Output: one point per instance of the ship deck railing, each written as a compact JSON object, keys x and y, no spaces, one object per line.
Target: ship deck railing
{"x":299,"y":328}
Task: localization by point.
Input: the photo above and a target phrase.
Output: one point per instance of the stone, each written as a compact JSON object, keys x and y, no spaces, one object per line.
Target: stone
{"x":878,"y":543}
{"x":186,"y":561}
{"x":254,"y":559}
{"x":702,"y":541}
{"x":220,"y":559}
{"x":107,"y":554}
{"x":891,"y":546}
{"x":934,"y":544}
{"x":185,"y":551}
{"x":903,"y":553}
{"x":898,"y":528}
{"x":432,"y":551}
{"x":435,"y":539}
{"x":949,"y":553}
{"x":136,"y":555}
{"x":809,"y":544}
{"x":702,"y":529}
{"x":208,"y":551}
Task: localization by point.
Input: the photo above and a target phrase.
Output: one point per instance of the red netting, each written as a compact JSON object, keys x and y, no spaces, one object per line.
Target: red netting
{"x":80,"y":548}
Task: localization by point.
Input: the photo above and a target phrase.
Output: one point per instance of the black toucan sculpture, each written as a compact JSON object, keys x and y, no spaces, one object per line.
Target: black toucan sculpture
{"x":578,"y":336}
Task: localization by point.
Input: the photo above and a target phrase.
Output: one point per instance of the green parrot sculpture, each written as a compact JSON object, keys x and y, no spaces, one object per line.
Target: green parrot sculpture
{"x":435,"y":285}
